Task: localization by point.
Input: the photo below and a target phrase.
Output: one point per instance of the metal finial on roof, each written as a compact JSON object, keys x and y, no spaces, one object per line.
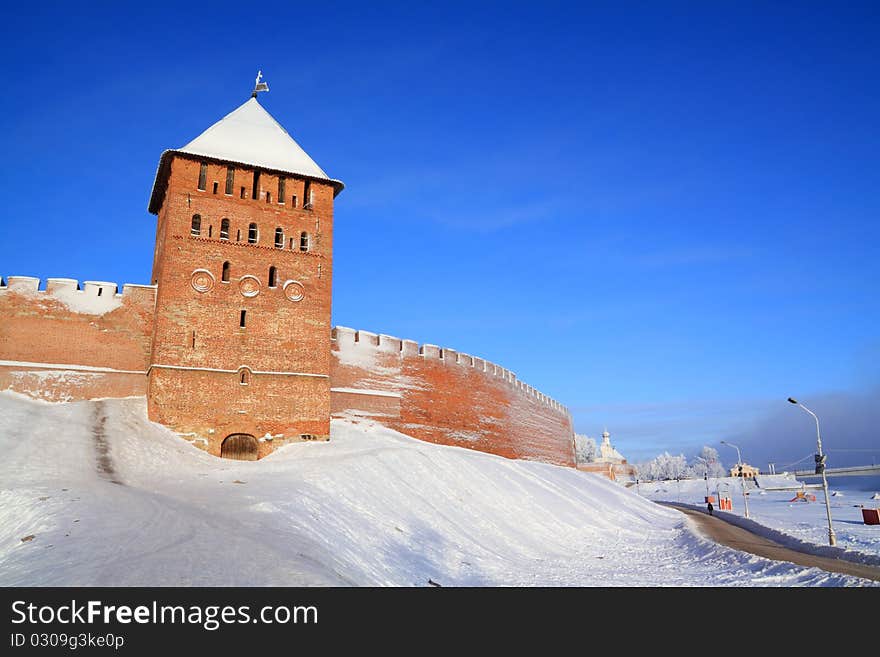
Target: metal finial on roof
{"x":259,"y":86}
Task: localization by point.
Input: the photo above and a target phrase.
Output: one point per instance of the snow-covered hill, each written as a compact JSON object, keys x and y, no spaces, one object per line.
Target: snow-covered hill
{"x":112,"y":499}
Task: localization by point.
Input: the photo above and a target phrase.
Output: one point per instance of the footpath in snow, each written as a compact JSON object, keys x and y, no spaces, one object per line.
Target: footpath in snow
{"x":92,"y":493}
{"x":778,"y":515}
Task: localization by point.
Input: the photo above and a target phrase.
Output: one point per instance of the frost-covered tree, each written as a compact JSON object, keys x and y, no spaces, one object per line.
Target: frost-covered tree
{"x":665,"y":466}
{"x":707,"y":462}
{"x":585,"y":448}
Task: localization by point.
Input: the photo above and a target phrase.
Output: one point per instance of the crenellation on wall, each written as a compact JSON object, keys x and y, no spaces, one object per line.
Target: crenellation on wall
{"x":346,"y":337}
{"x":58,"y":284}
{"x":390,"y":343}
{"x":69,"y":288}
{"x":343,"y":335}
{"x":99,"y":288}
{"x":367,"y":338}
{"x":23,"y":284}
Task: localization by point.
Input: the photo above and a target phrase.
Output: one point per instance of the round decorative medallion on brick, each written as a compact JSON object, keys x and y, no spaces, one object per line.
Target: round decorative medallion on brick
{"x":294,"y":290}
{"x":202,"y":280}
{"x":249,"y":286}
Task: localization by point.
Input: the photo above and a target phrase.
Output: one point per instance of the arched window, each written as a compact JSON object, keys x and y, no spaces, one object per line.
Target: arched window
{"x":243,"y":377}
{"x":196,"y":225}
{"x":304,"y":241}
{"x":252,"y":234}
{"x":225,"y":276}
{"x":279,"y":238}
{"x":224,"y":229}
{"x":273,"y":276}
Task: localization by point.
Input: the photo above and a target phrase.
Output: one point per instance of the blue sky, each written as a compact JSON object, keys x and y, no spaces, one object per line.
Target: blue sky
{"x":665,"y":215}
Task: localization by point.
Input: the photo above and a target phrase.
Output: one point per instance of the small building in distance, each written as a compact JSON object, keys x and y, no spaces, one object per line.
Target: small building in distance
{"x":609,"y":463}
{"x":748,"y":471}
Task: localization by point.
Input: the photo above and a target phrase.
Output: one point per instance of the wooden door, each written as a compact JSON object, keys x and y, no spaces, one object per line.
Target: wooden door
{"x":239,"y":446}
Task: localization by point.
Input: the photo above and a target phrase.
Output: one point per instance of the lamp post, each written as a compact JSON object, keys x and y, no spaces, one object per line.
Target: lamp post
{"x":739,"y":462}
{"x":820,"y":467}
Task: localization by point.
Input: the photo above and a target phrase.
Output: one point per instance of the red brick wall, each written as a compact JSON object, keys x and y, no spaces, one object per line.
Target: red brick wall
{"x":66,"y":326}
{"x":63,"y":385}
{"x":448,"y":398}
{"x":196,"y":329}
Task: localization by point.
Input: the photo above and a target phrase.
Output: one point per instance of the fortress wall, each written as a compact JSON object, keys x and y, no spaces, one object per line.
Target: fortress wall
{"x":74,"y":341}
{"x":276,"y":409}
{"x":446,"y":397}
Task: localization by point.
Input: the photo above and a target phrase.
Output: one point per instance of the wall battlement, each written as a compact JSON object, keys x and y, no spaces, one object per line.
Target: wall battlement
{"x":365,"y":340}
{"x":97,"y":296}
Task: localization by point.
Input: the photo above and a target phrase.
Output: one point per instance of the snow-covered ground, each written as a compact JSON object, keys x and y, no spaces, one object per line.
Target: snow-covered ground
{"x":804,"y":521}
{"x":106,"y":497}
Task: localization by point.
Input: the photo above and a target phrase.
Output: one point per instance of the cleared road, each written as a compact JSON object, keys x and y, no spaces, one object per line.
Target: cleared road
{"x":741,"y":539}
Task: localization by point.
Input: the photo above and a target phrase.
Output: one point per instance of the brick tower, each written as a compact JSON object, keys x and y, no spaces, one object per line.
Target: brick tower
{"x":240,"y":358}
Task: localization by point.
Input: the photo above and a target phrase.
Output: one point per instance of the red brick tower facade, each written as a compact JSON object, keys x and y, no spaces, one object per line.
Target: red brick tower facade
{"x":240,"y":359}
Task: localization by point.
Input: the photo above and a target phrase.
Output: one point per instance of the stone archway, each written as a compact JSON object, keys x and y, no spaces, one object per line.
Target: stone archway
{"x":239,"y":446}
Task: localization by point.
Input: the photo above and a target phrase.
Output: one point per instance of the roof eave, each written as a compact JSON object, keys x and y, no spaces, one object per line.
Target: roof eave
{"x":162,"y":172}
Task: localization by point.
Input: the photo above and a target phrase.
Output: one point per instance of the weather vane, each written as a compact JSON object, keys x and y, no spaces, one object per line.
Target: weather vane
{"x":259,"y":86}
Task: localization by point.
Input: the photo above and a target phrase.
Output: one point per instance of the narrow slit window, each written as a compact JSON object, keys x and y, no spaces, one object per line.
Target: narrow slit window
{"x":238,"y":235}
{"x":252,"y":234}
{"x":293,"y":200}
{"x":241,"y":194}
{"x":210,"y":231}
{"x":196,"y":227}
{"x":282,"y":182}
{"x":224,"y":229}
{"x":255,"y":190}
{"x":193,"y":339}
{"x":304,"y":241}
{"x":225,"y":275}
{"x":268,"y":197}
{"x":273,"y":276}
{"x":203,"y":176}
{"x":307,"y":195}
{"x":230,"y":179}
{"x":100,"y":290}
{"x":243,"y":378}
{"x":214,"y":190}
{"x":291,"y":243}
{"x":242,"y":319}
{"x":279,"y":238}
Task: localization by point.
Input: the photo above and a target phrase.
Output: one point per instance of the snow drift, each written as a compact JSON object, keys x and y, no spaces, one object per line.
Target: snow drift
{"x":106,"y":498}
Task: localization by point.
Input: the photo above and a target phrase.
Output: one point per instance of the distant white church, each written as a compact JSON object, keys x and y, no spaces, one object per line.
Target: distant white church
{"x":607,"y":453}
{"x":609,"y":462}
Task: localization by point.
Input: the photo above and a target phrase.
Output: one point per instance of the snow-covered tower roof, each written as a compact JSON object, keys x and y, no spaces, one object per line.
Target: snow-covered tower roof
{"x":247,"y":136}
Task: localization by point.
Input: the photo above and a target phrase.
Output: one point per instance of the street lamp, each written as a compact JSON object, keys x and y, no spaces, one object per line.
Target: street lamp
{"x":739,"y":462}
{"x":820,"y":469}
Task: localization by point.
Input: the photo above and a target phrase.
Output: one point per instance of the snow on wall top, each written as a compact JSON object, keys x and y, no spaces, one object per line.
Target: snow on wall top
{"x":250,"y":135}
{"x":95,"y":297}
{"x":359,"y":349}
